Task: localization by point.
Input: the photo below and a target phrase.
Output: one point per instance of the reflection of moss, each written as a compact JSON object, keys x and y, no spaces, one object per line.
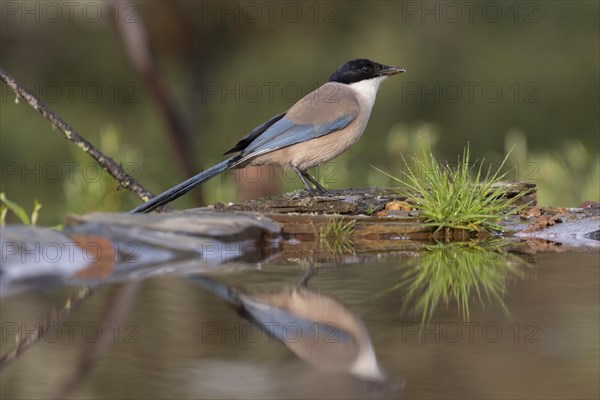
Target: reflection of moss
{"x":457,"y":272}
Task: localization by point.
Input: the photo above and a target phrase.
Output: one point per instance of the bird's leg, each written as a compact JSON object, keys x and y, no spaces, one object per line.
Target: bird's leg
{"x":315,"y":182}
{"x":303,"y":282}
{"x":304,"y":180}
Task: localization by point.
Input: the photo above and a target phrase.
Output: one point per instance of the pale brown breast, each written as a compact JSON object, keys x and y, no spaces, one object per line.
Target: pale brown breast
{"x":328,"y":103}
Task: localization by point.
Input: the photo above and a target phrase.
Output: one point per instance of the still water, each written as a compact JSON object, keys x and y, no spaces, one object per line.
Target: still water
{"x":532,"y":330}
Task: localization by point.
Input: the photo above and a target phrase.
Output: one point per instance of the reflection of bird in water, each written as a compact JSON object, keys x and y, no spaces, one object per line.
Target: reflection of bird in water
{"x":317,"y":328}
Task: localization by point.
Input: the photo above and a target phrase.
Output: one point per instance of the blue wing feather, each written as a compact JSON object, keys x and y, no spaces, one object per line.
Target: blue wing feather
{"x":256,"y":132}
{"x":285,"y":133}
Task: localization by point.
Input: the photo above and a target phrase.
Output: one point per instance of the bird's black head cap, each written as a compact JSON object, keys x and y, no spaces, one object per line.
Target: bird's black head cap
{"x":361,"y":69}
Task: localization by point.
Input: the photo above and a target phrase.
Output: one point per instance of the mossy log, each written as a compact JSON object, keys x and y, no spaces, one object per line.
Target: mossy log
{"x":307,"y":218}
{"x":350,"y":201}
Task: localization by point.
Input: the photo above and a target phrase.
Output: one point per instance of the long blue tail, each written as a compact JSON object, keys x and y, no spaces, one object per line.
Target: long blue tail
{"x":218,"y":288}
{"x":184,"y":187}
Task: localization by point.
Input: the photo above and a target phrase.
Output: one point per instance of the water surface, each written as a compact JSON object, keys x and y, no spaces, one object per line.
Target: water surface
{"x":165,"y":337}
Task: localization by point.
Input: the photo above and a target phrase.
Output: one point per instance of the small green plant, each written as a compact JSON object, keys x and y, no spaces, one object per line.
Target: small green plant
{"x":370,"y":209}
{"x":459,"y":272}
{"x":19,"y":211}
{"x":335,"y":236}
{"x":457,"y":198}
{"x":336,"y":227}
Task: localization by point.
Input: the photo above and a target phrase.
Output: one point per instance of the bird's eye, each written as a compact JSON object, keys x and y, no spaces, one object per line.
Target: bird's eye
{"x":366,"y":69}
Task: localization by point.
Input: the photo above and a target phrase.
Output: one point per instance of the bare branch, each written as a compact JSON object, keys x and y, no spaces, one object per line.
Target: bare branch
{"x":56,"y":318}
{"x":117,"y":172}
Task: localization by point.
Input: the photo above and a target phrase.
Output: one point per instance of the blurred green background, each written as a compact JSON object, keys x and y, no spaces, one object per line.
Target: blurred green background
{"x":492,"y":74}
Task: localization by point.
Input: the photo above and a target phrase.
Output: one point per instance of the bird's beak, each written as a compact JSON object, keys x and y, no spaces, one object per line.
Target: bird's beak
{"x":388,"y":71}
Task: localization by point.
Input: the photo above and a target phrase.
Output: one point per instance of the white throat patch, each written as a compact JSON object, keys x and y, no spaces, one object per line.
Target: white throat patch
{"x":367,"y":89}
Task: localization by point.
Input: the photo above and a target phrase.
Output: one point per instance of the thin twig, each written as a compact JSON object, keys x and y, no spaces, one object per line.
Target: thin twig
{"x":56,"y":318}
{"x":117,"y":172}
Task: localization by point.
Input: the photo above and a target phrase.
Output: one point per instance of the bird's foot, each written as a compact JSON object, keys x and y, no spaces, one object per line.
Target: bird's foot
{"x":317,"y":192}
{"x":324,"y":193}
